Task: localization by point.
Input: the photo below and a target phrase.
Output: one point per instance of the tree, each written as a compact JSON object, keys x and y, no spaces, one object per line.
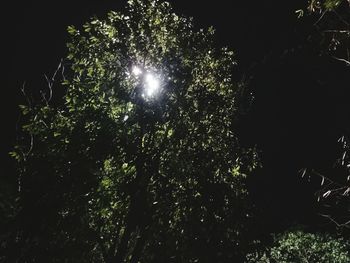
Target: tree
{"x":297,"y":246}
{"x":140,"y":163}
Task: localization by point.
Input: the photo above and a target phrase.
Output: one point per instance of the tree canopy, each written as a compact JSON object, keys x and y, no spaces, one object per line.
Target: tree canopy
{"x":140,"y":161}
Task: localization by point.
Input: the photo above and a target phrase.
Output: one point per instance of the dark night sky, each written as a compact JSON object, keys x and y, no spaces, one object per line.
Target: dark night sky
{"x":300,"y":99}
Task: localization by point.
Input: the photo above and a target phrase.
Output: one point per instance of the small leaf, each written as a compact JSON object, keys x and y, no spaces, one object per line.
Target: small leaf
{"x":326,"y":194}
{"x":300,"y":13}
{"x":24,"y":109}
{"x":71,"y":30}
{"x":303,"y":173}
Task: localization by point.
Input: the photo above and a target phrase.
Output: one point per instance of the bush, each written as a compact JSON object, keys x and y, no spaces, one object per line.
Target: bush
{"x":297,"y":246}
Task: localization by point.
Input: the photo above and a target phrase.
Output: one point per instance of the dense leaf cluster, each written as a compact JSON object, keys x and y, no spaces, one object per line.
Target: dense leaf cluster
{"x":297,"y":246}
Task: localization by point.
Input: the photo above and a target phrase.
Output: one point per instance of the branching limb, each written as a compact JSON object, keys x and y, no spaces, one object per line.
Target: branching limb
{"x":51,"y":81}
{"x":345,"y":224}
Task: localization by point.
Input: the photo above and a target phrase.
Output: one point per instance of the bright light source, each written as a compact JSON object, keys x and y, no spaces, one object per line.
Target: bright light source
{"x":136,"y":71}
{"x":151,"y":85}
{"x":149,"y":82}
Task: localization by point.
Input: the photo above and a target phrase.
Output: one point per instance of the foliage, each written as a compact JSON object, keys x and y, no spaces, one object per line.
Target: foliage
{"x":331,"y":19}
{"x":334,"y":188}
{"x":329,"y":36}
{"x":332,"y":24}
{"x":114,"y":176}
{"x":297,"y":246}
{"x":319,"y":6}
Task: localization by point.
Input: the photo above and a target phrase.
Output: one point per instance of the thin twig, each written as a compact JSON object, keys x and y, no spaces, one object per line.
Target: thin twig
{"x":319,"y":19}
{"x":345,"y":224}
{"x":336,"y":31}
{"x":51,"y":81}
{"x":25,"y":95}
{"x":31,"y":145}
{"x":347,"y":62}
{"x":49,"y":84}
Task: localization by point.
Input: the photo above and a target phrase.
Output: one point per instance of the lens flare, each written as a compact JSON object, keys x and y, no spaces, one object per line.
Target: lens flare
{"x":151,"y":85}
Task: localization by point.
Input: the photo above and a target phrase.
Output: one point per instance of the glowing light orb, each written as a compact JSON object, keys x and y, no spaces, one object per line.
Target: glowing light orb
{"x":152,"y":85}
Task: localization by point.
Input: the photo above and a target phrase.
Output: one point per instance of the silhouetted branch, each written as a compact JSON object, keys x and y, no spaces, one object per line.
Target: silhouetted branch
{"x":320,"y":18}
{"x":345,"y":224}
{"x":347,"y":62}
{"x":51,"y":81}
